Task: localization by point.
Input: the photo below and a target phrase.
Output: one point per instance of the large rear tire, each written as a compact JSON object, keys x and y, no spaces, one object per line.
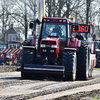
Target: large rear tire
{"x":70,"y":64}
{"x":27,"y":58}
{"x":83,"y":63}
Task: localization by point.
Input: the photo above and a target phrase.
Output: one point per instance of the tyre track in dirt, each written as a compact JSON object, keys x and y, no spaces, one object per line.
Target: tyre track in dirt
{"x":12,"y":87}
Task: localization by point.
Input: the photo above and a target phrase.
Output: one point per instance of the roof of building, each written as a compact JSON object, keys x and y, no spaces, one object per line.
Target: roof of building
{"x":11,"y":30}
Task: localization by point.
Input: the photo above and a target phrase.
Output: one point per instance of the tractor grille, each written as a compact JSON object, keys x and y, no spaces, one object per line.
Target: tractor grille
{"x":47,"y":52}
{"x":49,"y":42}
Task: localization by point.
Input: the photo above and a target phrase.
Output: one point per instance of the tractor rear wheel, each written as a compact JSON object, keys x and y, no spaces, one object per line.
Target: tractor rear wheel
{"x":70,"y":64}
{"x":83,"y":63}
{"x":27,"y":58}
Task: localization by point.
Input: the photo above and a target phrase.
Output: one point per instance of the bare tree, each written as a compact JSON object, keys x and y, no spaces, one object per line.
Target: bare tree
{"x":23,"y":11}
{"x":5,"y":17}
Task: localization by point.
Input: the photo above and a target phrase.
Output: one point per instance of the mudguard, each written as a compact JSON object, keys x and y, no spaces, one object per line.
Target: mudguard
{"x":34,"y":42}
{"x":75,"y":43}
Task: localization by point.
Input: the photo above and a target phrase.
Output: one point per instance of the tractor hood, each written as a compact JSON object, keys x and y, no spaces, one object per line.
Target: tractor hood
{"x":50,"y":41}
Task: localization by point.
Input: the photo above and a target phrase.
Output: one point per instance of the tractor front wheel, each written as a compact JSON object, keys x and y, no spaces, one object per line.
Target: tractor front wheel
{"x":27,"y":58}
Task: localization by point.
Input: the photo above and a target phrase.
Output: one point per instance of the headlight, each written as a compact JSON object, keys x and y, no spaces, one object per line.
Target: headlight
{"x":43,"y":45}
{"x":54,"y":46}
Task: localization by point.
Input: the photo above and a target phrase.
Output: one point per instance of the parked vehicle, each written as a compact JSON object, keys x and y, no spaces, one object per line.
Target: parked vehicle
{"x":12,"y":54}
{"x":97,"y":53}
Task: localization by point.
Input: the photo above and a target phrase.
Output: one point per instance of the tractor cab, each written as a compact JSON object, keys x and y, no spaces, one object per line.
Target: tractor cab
{"x":53,"y":38}
{"x":55,"y":28}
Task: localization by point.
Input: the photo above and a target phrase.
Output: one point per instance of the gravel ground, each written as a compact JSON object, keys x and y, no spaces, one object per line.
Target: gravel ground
{"x":17,"y":89}
{"x":8,"y":68}
{"x":82,"y":96}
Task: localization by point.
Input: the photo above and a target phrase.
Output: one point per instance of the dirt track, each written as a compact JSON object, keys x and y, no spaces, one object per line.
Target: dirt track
{"x":13,"y":88}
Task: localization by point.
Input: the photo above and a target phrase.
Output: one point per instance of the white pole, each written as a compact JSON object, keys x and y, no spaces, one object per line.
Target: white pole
{"x":41,"y":9}
{"x":35,"y":10}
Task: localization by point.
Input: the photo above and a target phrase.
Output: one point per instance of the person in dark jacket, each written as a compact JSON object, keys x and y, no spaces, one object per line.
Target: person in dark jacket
{"x":57,"y":30}
{"x":79,"y":36}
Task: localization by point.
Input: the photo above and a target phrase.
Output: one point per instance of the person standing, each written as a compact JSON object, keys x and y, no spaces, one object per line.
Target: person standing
{"x":79,"y":36}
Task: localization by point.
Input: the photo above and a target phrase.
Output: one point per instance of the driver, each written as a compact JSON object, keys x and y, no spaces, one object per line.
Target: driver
{"x":57,"y":30}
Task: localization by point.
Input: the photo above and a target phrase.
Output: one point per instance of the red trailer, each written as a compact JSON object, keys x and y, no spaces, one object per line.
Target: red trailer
{"x":13,"y":55}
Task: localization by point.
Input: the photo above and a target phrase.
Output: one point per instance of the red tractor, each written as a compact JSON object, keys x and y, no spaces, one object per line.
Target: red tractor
{"x":56,"y":53}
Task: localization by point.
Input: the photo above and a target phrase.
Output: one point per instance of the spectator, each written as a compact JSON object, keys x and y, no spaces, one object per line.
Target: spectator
{"x":12,"y":47}
{"x":79,"y":36}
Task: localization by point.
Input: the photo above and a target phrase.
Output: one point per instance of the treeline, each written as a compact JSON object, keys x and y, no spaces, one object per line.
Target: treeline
{"x":21,"y":12}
